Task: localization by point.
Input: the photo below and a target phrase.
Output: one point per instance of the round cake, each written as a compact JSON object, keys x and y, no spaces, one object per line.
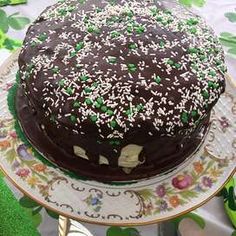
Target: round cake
{"x":118,"y":90}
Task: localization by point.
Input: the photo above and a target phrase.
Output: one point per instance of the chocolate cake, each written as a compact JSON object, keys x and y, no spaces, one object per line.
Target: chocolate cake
{"x":118,"y":90}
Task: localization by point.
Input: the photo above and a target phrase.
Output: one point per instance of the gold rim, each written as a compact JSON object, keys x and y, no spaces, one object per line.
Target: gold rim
{"x":230,"y":79}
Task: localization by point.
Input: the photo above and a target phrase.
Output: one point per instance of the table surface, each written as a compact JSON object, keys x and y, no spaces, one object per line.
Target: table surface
{"x":221,"y":15}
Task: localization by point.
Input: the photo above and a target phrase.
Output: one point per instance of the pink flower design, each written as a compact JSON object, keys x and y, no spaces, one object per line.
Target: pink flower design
{"x":13,"y":134}
{"x":23,"y":172}
{"x":224,"y":123}
{"x":207,"y":181}
{"x":182,"y":181}
{"x":160,"y":191}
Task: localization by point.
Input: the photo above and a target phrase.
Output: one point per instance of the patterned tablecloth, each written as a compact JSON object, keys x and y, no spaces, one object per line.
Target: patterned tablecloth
{"x":210,"y":219}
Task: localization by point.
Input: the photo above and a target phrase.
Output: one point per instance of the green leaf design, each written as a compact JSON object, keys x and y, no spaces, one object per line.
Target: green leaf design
{"x":37,"y":210}
{"x":228,"y":40}
{"x":27,"y":202}
{"x":131,"y":232}
{"x":190,"y":3}
{"x":231,"y":16}
{"x":10,"y":155}
{"x":188,"y":194}
{"x":3,"y":21}
{"x":234,"y":233}
{"x":1,"y":173}
{"x":36,"y":219}
{"x":118,"y":231}
{"x":146,"y":193}
{"x":196,"y":218}
{"x":11,"y":44}
{"x":4,"y":2}
{"x":113,"y":231}
{"x":18,"y":22}
{"x":52,"y":214}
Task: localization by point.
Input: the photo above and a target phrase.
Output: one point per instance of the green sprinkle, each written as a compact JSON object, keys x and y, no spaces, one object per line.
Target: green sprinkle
{"x":88,"y":101}
{"x":87,"y":89}
{"x":73,"y":118}
{"x":202,"y":57}
{"x":95,"y":84}
{"x":52,"y":118}
{"x":109,"y":112}
{"x":166,"y":11}
{"x":42,"y":37}
{"x":193,"y":50}
{"x":213,"y":85}
{"x":112,"y":60}
{"x":132,"y":46}
{"x":97,"y":105}
{"x":76,"y":104}
{"x":33,"y":44}
{"x":114,"y":142}
{"x":192,"y":21}
{"x":98,"y":9}
{"x":70,"y":91}
{"x":193,"y":30}
{"x":128,"y":112}
{"x":111,"y":142}
{"x":162,"y":44}
{"x":140,"y":107}
{"x":139,"y":29}
{"x":218,"y":62}
{"x":212,"y":73}
{"x":72,"y":54}
{"x":177,"y":65}
{"x":61,"y":82}
{"x":194,"y":113}
{"x":169,"y":21}
{"x":117,"y":142}
{"x":70,"y":8}
{"x":93,"y":29}
{"x":83,"y":77}
{"x":115,"y":34}
{"x":154,"y":11}
{"x":129,"y":13}
{"x":113,"y":123}
{"x":129,"y":29}
{"x":93,"y":118}
{"x":205,"y":94}
{"x":79,"y":46}
{"x":159,"y":19}
{"x":104,"y":108}
{"x":55,"y":70}
{"x":157,"y":79}
{"x":170,"y":62}
{"x":223,"y":69}
{"x":132,"y":67}
{"x":99,"y":100}
{"x":184,"y":117}
{"x":62,"y":11}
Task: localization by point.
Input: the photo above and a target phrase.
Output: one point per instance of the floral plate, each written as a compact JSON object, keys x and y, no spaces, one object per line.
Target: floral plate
{"x":144,"y":202}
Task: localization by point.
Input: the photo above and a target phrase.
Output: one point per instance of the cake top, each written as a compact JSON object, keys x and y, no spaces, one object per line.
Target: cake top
{"x":116,"y":66}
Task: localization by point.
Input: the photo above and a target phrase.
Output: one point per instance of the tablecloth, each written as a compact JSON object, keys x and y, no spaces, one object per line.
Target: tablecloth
{"x":210,"y":219}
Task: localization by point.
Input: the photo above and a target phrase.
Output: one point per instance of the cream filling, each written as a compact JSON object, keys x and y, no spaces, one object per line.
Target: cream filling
{"x":129,"y":156}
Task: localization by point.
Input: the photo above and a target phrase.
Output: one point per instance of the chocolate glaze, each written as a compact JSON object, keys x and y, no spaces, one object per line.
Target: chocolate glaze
{"x":160,"y":93}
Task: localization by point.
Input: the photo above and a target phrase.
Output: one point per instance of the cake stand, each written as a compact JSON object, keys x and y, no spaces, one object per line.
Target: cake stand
{"x":148,"y":201}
